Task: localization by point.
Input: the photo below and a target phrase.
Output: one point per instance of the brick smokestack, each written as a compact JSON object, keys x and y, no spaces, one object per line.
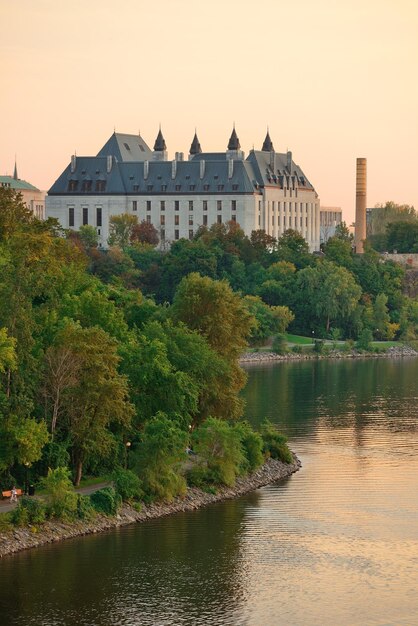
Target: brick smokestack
{"x":361,"y":201}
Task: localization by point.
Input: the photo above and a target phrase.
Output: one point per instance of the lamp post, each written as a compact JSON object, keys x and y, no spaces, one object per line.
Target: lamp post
{"x":127,"y":448}
{"x":26,"y":464}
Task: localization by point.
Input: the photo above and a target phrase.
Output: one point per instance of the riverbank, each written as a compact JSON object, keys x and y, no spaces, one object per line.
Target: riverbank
{"x":393,"y":352}
{"x":53,"y":531}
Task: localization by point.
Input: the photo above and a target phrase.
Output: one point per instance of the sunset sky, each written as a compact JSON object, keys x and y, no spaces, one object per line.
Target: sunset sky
{"x":333,"y":80}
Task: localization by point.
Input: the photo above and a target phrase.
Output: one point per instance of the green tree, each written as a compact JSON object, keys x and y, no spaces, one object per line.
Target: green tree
{"x":121,"y":228}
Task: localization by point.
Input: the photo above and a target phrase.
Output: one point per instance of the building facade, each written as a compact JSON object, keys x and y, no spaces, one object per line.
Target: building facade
{"x":33,"y":197}
{"x":267,"y":190}
{"x":330,"y":218}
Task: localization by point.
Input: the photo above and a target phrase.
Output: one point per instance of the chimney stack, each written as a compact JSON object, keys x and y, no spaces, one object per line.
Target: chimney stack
{"x":361,"y":202}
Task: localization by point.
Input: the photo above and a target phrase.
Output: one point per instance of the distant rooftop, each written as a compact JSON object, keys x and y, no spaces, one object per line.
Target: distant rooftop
{"x":13,"y":183}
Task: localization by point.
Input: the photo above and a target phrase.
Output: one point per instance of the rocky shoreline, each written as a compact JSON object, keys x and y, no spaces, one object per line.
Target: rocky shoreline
{"x":20,"y":539}
{"x":261,"y":357}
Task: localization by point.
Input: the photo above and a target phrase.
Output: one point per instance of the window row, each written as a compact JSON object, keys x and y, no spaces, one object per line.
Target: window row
{"x":85,"y":216}
{"x":191,"y":204}
{"x":87,"y":185}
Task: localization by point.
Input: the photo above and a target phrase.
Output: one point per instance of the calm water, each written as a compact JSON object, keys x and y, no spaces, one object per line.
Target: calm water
{"x":336,"y":544}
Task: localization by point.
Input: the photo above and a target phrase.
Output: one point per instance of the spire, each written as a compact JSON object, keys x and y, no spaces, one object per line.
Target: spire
{"x":15,"y":176}
{"x":268,"y":144}
{"x":159,"y":145}
{"x":234,"y":143}
{"x":195,"y":147}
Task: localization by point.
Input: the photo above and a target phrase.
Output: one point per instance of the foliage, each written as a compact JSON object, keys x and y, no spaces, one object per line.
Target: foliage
{"x":60,"y":495}
{"x":219,"y":447}
{"x":106,"y":501}
{"x":252,"y":446}
{"x":365,"y":339}
{"x":121,"y":228}
{"x":275,"y":443}
{"x":126,"y":484}
{"x":28,"y":511}
{"x":85,"y":509}
{"x":144,"y":232}
{"x":160,"y":454}
{"x":279,"y":345}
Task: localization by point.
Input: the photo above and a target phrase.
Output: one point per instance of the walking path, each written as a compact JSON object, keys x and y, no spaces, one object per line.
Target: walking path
{"x":6,"y":505}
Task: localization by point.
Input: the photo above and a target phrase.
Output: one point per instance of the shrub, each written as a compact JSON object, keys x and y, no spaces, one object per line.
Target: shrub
{"x":127,"y":484}
{"x":61,"y":497}
{"x":19,"y":516}
{"x":279,"y":345}
{"x":297,"y":349}
{"x":219,"y":446}
{"x":85,"y":509}
{"x":365,"y":339}
{"x":5,"y":522}
{"x":252,"y":445}
{"x":200,"y":476}
{"x":36,"y":510}
{"x":275,"y":443}
{"x":106,"y":501}
{"x":318,"y":346}
{"x":160,"y":454}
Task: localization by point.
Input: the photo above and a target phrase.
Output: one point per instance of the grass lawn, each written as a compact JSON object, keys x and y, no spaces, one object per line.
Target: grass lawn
{"x":298,"y":340}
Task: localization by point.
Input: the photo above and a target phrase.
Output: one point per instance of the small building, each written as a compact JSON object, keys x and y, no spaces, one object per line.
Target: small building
{"x":267,"y":190}
{"x":330,"y":217}
{"x":33,"y":197}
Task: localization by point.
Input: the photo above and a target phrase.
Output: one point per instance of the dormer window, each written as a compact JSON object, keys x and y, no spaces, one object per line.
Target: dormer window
{"x":136,"y":187}
{"x":72,"y":185}
{"x":149,"y":187}
{"x":206,"y":187}
{"x":220,"y":187}
{"x":178,"y":187}
{"x":234,"y":187}
{"x":100,"y":185}
{"x":87,"y":184}
{"x":192,"y":187}
{"x":163,"y":187}
{"x":127,"y":147}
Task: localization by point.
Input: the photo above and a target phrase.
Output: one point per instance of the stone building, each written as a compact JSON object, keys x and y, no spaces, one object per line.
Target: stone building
{"x":267,"y":190}
{"x":33,"y":197}
{"x":329,"y":218}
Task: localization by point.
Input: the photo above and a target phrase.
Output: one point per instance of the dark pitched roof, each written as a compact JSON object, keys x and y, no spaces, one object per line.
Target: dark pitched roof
{"x":268,"y":144}
{"x":10,"y":181}
{"x":159,"y":145}
{"x":261,"y":164}
{"x":234,"y":143}
{"x":195,"y":147}
{"x":126,"y":148}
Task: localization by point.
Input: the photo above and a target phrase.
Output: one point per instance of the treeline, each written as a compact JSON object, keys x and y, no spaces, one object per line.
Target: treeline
{"x":335,"y":295}
{"x":97,"y":378}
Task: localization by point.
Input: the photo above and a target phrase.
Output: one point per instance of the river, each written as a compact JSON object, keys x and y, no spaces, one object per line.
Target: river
{"x":336,"y":544}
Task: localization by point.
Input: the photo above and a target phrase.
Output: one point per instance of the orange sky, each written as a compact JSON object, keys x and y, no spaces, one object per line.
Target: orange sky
{"x":333,"y":79}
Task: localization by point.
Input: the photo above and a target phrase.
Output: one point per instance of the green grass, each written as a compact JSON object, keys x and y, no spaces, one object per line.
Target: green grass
{"x":298,"y":339}
{"x":89,"y":481}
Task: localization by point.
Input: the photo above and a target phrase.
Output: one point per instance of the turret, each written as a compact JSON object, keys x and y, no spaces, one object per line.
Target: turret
{"x":195,"y":148}
{"x":160,"y":148}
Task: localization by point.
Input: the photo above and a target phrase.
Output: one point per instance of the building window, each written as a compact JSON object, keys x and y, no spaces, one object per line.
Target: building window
{"x":178,"y":187}
{"x":259,"y":220}
{"x":72,"y":185}
{"x":192,"y":187}
{"x":234,"y":187}
{"x":176,"y":234}
{"x":71,"y":216}
{"x":176,"y":205}
{"x":148,"y":205}
{"x":149,"y":187}
{"x":205,"y":205}
{"x":176,"y":220}
{"x":259,"y":205}
{"x":148,"y":219}
{"x":219,"y":220}
{"x":233,"y":218}
{"x":98,"y":216}
{"x":284,"y":206}
{"x":272,"y":220}
{"x":100,"y":185}
{"x":220,"y":187}
{"x":162,"y":234}
{"x":233,"y":205}
{"x":205,"y":220}
{"x":191,"y":234}
{"x":163,"y":187}
{"x":162,"y":220}
{"x":85,"y":216}
{"x":134,"y":205}
{"x":205,"y":187}
{"x":190,"y":205}
{"x":87,"y":184}
{"x":162,"y":205}
{"x":136,"y":187}
{"x":219,"y":205}
{"x":191,"y":220}
{"x":284,"y":221}
{"x":301,"y":221}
